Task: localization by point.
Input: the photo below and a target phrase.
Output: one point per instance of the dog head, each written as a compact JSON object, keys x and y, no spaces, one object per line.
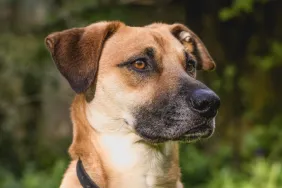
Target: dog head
{"x":144,"y":78}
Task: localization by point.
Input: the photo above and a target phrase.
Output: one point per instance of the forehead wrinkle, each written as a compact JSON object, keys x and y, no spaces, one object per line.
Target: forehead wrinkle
{"x":159,"y":40}
{"x":170,"y":46}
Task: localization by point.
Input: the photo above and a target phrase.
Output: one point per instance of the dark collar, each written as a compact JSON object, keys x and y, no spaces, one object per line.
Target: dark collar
{"x":83,"y":177}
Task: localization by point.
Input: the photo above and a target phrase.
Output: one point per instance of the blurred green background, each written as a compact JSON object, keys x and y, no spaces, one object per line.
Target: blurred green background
{"x":243,"y":36}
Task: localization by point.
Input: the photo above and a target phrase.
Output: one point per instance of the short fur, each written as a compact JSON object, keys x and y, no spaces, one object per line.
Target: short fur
{"x":126,"y":123}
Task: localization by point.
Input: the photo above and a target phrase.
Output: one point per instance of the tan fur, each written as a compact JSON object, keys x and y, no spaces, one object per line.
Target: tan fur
{"x":112,"y":153}
{"x":96,"y":159}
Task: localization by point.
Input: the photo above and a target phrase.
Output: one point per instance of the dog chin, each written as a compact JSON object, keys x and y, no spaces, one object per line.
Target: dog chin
{"x":193,"y":134}
{"x":200,"y":132}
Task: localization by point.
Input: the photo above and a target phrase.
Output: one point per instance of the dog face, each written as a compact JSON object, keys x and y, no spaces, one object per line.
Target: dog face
{"x":142,"y":77}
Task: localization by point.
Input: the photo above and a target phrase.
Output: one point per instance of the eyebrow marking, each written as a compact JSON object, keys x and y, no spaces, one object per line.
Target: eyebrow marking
{"x":150,"y":51}
{"x":147,"y":52}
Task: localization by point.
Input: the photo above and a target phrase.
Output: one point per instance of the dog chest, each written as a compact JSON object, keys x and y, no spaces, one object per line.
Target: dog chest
{"x":131,"y":163}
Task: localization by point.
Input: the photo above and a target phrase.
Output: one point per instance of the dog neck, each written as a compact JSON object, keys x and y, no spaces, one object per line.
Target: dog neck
{"x":119,"y":158}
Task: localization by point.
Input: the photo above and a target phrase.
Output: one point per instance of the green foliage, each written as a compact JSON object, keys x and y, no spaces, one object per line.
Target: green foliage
{"x":257,"y":174}
{"x":32,"y":178}
{"x":214,"y":168}
{"x":238,"y":7}
{"x":271,"y":60}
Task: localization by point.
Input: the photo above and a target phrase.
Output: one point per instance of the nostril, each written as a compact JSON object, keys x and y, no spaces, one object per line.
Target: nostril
{"x":205,"y":101}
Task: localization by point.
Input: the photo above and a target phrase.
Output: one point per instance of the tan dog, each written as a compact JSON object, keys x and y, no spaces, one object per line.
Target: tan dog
{"x":136,"y":97}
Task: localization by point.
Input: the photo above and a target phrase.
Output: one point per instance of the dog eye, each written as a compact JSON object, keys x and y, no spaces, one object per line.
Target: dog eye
{"x":190,"y":66}
{"x":190,"y":63}
{"x":140,"y":65}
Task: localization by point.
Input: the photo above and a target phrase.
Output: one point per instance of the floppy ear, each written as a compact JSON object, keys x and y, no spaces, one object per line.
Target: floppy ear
{"x":194,"y":45}
{"x":76,"y":52}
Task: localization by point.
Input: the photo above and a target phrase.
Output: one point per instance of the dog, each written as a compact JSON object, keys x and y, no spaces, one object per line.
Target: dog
{"x":136,"y":97}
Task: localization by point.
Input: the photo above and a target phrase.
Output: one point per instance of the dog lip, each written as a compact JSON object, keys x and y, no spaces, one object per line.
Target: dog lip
{"x":203,"y":130}
{"x":197,"y":129}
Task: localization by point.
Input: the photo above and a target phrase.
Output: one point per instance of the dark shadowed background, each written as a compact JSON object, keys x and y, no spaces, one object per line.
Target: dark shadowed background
{"x":243,"y":36}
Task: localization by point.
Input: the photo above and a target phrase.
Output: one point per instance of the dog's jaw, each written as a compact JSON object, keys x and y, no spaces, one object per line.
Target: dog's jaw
{"x":103,"y":120}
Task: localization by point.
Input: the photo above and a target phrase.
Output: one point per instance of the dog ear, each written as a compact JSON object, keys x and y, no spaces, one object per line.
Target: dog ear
{"x":193,"y":45}
{"x":76,"y":52}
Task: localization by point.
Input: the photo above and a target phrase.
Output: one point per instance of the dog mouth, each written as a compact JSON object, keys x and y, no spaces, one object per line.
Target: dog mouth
{"x":195,"y":133}
{"x":198,"y":132}
{"x":175,"y":122}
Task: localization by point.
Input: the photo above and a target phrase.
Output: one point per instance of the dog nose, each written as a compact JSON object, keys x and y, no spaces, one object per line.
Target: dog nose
{"x":205,"y":102}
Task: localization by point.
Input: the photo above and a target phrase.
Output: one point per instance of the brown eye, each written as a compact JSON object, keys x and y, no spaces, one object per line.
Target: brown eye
{"x":140,"y":65}
{"x":190,"y":66}
{"x":190,"y":63}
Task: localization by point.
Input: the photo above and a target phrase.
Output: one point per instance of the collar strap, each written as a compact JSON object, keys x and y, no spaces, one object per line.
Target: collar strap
{"x":83,"y":177}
